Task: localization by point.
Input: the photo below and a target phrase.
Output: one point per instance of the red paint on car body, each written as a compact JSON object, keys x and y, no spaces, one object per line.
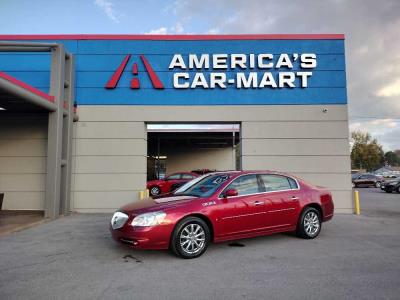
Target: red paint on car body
{"x":251,"y":215}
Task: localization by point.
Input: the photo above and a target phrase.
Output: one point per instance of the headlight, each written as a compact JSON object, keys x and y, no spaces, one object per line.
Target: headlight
{"x":118,"y":219}
{"x":149,"y":219}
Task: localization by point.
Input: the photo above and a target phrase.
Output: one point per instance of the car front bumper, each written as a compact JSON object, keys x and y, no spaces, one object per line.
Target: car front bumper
{"x":148,"y":237}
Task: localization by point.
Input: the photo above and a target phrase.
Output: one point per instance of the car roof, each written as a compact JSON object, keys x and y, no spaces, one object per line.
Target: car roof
{"x":238,"y":173}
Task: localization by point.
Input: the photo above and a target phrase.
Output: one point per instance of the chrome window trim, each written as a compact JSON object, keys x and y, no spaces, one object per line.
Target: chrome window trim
{"x":266,"y":192}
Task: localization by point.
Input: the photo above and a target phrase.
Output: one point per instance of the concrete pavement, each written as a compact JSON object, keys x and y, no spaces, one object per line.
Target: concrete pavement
{"x":74,"y":257}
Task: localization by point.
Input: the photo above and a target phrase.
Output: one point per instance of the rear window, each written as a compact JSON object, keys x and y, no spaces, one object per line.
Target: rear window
{"x":293,"y":183}
{"x":278,"y":182}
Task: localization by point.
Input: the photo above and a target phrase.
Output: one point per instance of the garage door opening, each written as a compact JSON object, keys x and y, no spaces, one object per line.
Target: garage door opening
{"x":174,"y":148}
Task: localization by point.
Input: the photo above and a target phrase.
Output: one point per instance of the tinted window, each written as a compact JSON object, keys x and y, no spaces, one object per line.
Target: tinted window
{"x":174,"y":177}
{"x":275,"y":183}
{"x":245,"y":185}
{"x":293,"y":183}
{"x":206,"y":186}
{"x":187,"y":176}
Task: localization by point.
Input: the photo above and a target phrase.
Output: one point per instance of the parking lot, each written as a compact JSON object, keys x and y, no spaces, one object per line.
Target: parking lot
{"x":74,"y":257}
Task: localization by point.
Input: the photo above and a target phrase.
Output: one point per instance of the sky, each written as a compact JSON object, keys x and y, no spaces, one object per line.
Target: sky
{"x":371,"y":28}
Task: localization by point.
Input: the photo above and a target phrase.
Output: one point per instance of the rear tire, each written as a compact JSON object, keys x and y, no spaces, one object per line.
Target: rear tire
{"x":309,"y":224}
{"x":190,"y":238}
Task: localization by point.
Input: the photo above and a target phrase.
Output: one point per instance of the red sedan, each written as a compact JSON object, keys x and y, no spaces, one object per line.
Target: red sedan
{"x":169,"y":183}
{"x":222,"y":207}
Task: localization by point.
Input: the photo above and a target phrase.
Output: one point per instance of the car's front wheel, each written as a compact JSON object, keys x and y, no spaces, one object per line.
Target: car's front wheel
{"x":190,"y":238}
{"x":377,"y":184}
{"x":309,"y":225}
{"x":155,"y":190}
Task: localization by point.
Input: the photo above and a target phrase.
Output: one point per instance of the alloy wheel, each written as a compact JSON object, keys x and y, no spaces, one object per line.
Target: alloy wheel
{"x":154,"y":191}
{"x":192,"y":238}
{"x":311,"y":223}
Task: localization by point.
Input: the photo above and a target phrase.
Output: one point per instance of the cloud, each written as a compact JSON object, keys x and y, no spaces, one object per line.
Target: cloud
{"x":108,"y":9}
{"x":177,"y":29}
{"x":161,"y":30}
{"x":372,"y":46}
{"x":390,"y":90}
{"x":387,"y":131}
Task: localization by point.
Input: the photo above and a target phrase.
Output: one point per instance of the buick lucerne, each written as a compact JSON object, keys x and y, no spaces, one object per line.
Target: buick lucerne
{"x":224,"y":206}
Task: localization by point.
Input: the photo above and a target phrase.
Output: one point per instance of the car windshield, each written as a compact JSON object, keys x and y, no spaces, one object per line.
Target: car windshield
{"x":206,"y":186}
{"x":189,"y":184}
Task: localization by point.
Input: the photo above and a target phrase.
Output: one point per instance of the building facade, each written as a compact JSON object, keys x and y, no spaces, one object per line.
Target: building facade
{"x":284,"y":95}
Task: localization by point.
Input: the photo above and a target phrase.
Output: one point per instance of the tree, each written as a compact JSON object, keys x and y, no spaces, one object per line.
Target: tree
{"x":392,"y":159}
{"x":366,"y":153}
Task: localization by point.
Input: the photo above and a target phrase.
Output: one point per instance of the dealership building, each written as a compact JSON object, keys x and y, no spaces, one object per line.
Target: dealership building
{"x":86,"y":120}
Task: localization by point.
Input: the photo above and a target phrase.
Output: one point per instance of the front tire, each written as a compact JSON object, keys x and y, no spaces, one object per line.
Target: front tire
{"x":309,"y":225}
{"x":190,"y":238}
{"x":155,"y":191}
{"x":377,"y":184}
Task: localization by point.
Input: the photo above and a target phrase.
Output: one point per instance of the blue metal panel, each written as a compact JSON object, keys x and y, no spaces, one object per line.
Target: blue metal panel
{"x":96,"y":61}
{"x":160,"y":63}
{"x":185,"y":47}
{"x":98,"y":79}
{"x":212,"y":97}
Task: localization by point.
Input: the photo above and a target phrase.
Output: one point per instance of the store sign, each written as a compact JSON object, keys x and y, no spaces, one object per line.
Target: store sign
{"x":241,"y":71}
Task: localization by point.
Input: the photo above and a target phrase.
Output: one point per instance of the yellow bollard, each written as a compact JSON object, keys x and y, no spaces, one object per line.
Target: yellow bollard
{"x":356,"y":203}
{"x":141,"y":195}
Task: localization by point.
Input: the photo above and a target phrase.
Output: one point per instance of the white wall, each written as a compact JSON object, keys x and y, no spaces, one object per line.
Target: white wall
{"x":110,"y":147}
{"x":192,"y":159}
{"x":23,"y":150}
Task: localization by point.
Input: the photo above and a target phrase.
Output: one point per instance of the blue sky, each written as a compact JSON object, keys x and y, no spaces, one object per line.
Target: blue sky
{"x":371,"y":28}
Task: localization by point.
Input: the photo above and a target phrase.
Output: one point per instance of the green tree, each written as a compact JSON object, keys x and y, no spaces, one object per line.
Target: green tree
{"x":392,"y":159}
{"x":366,"y":153}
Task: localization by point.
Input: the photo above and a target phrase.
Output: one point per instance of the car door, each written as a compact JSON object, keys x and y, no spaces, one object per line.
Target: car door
{"x":361,"y":180}
{"x":282,"y":200}
{"x":171,"y":181}
{"x":242,"y":213}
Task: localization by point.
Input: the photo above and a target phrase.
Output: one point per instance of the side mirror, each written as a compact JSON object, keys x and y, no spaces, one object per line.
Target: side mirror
{"x":231,"y":193}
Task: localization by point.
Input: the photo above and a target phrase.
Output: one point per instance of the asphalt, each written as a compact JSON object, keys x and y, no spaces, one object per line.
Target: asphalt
{"x":355,"y":257}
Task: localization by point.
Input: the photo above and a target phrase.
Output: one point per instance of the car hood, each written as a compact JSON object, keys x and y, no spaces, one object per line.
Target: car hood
{"x":150,"y":204}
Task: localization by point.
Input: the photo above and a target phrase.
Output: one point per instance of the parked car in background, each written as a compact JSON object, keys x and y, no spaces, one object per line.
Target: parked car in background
{"x":203,"y":171}
{"x":189,"y":184}
{"x":169,"y":183}
{"x":222,"y":207}
{"x":367,"y":180}
{"x":392,"y":185}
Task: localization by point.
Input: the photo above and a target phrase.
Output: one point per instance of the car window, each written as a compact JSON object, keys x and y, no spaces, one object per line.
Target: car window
{"x":245,"y":185}
{"x":275,"y":182}
{"x":293,"y":183}
{"x":363,"y":177}
{"x":174,"y":177}
{"x":187,"y":176}
{"x":206,"y":186}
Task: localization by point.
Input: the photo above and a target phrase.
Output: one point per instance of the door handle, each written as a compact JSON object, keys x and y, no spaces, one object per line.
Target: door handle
{"x":294,"y":198}
{"x":256,"y":203}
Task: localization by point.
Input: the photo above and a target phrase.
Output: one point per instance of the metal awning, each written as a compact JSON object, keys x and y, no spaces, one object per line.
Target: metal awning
{"x":17,"y":96}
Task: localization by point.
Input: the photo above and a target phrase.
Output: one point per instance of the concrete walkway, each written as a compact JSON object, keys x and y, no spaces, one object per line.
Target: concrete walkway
{"x":12,"y":221}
